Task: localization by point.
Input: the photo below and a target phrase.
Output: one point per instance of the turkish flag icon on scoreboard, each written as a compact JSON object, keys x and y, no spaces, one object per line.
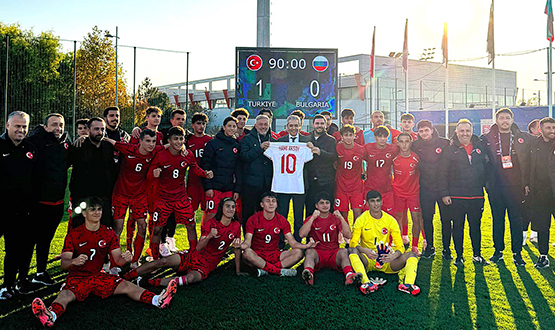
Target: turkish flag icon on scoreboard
{"x":254,"y":62}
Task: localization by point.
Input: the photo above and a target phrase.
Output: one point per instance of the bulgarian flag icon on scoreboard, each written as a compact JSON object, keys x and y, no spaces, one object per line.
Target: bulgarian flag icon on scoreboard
{"x":320,"y":63}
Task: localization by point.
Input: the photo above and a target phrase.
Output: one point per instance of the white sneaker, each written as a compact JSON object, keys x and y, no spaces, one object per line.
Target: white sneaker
{"x":149,"y":259}
{"x":524,"y":234}
{"x":288,"y":272}
{"x":115,"y":271}
{"x":170,"y":242}
{"x":135,"y":265}
{"x":106,"y":268}
{"x":261,"y":272}
{"x":164,"y":252}
{"x":533,"y":236}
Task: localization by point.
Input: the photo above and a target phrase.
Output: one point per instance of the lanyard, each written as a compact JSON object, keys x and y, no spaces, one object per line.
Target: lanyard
{"x":499,"y":149}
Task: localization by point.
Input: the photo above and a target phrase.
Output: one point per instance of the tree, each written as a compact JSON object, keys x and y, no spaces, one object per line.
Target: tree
{"x":96,"y":82}
{"x":148,"y":95}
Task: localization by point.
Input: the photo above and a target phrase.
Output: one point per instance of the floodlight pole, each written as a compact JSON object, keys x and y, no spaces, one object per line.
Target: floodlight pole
{"x":6,"y":85}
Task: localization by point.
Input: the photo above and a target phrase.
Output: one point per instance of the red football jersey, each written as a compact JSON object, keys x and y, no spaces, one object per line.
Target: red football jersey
{"x":378,"y":171}
{"x":326,"y":231}
{"x":217,"y":246}
{"x":134,"y":169}
{"x":95,"y":244}
{"x":159,"y":138}
{"x":171,"y":183}
{"x":265,"y":233}
{"x":359,"y":137}
{"x":406,"y":175}
{"x":196,"y":145}
{"x":349,"y":168}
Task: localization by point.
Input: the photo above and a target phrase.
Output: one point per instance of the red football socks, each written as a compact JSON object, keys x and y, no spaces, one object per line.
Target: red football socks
{"x":57,"y":308}
{"x":138,"y":247}
{"x":347,"y":270}
{"x":155,"y":250}
{"x":192,"y":244}
{"x":132,"y":274}
{"x":154,"y":281}
{"x":310,"y":269}
{"x":271,"y":268}
{"x":405,"y":230}
{"x":146,"y":297}
{"x":415,"y":241}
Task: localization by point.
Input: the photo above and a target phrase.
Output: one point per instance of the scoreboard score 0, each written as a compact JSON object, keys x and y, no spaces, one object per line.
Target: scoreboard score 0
{"x":286,"y":79}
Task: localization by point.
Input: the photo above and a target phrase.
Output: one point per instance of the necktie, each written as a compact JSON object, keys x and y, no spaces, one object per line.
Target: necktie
{"x":293,"y":138}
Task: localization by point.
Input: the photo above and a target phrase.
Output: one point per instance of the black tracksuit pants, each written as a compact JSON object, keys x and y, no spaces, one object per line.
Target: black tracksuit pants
{"x":544,"y":208}
{"x":298,"y":211}
{"x":471,"y":210}
{"x":507,"y":199}
{"x":46,"y":221}
{"x":19,"y":253}
{"x":428,"y":200}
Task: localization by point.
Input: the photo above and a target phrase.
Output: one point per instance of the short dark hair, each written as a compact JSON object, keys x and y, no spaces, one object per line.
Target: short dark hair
{"x":424,"y":123}
{"x":298,"y":113}
{"x":347,"y":112}
{"x":82,"y":121}
{"x":228,"y":119}
{"x":347,"y":129}
{"x":547,"y":120}
{"x":325,"y":113}
{"x":178,"y":112}
{"x":176,"y":130}
{"x":503,"y":110}
{"x":381,"y":131}
{"x":146,"y":132}
{"x":322,"y":196}
{"x":266,"y":112}
{"x":268,"y":194}
{"x":533,"y":124}
{"x":406,"y":116}
{"x":47,"y":118}
{"x":239,"y":112}
{"x":107,"y":111}
{"x":92,"y":201}
{"x":220,"y":210}
{"x":93,"y":119}
{"x":373,"y":194}
{"x":404,"y":134}
{"x":199,"y":116}
{"x":318,"y":116}
{"x":151,"y":110}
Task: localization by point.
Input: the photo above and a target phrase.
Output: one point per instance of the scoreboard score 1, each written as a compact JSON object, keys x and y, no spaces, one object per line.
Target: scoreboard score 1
{"x":286,"y":79}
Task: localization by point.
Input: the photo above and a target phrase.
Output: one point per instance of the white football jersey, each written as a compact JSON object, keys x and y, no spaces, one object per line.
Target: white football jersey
{"x":288,"y":159}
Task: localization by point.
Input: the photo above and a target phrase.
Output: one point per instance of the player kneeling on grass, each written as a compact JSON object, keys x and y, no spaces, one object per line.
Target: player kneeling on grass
{"x":85,"y":248}
{"x":216,"y":235}
{"x":370,"y":250}
{"x":324,"y":228}
{"x":260,"y":248}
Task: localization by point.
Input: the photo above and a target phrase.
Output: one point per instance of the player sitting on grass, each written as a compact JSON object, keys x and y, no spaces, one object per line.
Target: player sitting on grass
{"x":324,"y":228}
{"x":216,"y":235}
{"x":85,"y":248}
{"x":260,"y":248}
{"x":369,"y":250}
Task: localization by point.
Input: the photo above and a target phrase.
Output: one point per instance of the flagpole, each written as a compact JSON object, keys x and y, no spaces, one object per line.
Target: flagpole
{"x":491,"y":38}
{"x":405,"y":54}
{"x":493,"y":92}
{"x":549,"y":77}
{"x":444,"y":46}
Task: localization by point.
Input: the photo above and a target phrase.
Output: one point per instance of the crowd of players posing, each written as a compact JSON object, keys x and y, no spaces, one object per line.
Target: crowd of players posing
{"x":245,"y":180}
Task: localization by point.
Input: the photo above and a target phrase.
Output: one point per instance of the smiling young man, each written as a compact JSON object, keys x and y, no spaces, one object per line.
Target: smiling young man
{"x":348,"y":118}
{"x":260,"y":248}
{"x":324,"y":227}
{"x":83,"y":253}
{"x":376,"y":245}
{"x":113,"y":129}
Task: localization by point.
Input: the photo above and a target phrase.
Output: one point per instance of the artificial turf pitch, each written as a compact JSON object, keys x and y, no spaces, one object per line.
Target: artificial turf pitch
{"x":498,"y":296}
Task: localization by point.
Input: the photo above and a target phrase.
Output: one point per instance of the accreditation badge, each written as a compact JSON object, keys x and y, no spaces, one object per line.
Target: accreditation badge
{"x":506,"y":162}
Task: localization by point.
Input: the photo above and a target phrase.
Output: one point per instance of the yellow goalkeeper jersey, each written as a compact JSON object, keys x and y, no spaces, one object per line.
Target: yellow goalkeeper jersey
{"x":368,"y":231}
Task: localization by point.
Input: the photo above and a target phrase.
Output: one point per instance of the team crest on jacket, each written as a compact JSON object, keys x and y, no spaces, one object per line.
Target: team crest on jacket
{"x":234,"y":150}
{"x":355,"y":158}
{"x":333,"y":227}
{"x":384,"y":231}
{"x":520,"y":140}
{"x":66,"y":145}
{"x":102,"y":243}
{"x":478,"y":151}
{"x":438,"y":150}
{"x":29,"y":155}
{"x":230,"y":236}
{"x":183,"y":164}
{"x":388,"y":155}
{"x":277,"y":230}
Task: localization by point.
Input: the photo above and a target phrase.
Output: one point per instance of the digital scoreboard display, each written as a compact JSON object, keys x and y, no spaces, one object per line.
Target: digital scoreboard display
{"x":286,"y":79}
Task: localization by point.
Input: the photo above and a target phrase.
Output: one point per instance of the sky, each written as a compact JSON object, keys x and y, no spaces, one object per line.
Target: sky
{"x":211,"y":29}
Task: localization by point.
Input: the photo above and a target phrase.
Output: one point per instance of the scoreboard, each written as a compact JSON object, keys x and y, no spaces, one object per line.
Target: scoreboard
{"x":286,"y":79}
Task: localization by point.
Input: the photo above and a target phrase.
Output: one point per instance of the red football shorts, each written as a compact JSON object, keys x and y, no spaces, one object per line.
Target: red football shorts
{"x":343,"y":199}
{"x":388,"y":201}
{"x":198,"y":196}
{"x":138,"y":205}
{"x":192,"y":260}
{"x":411,"y":203}
{"x":270,"y":256}
{"x":326,"y":259}
{"x":101,"y":284}
{"x":181,"y":207}
{"x":213,"y":202}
